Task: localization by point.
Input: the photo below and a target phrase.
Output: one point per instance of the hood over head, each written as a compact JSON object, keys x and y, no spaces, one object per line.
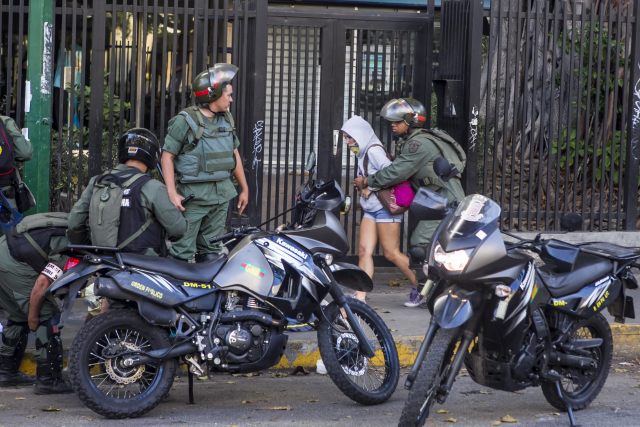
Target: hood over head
{"x":360,"y":130}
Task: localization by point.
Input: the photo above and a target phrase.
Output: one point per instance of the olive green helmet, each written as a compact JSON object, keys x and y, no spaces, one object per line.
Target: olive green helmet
{"x":409,"y":110}
{"x":208,"y":85}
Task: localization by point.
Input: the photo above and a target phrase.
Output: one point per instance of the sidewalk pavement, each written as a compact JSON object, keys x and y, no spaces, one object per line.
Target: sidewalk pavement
{"x":408,"y":326}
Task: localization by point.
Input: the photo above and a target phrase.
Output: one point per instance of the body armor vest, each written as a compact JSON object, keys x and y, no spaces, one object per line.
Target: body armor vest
{"x":211,"y":158}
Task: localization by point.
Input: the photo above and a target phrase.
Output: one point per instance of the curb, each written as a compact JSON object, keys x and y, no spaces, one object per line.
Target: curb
{"x":626,"y":341}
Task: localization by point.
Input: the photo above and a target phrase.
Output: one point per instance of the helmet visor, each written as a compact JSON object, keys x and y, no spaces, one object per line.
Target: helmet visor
{"x":221,"y":73}
{"x":395,"y":110}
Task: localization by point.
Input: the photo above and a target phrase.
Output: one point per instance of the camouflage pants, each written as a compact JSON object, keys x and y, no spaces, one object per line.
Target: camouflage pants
{"x":16,"y":282}
{"x":204,"y":222}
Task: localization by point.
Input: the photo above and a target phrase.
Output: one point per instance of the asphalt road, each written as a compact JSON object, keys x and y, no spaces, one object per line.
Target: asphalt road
{"x":277,"y":399}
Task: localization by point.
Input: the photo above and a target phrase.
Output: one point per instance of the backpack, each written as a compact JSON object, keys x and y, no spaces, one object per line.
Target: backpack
{"x":109,"y":190}
{"x":449,"y":147}
{"x":7,"y":154}
{"x":396,"y":199}
{"x":29,"y":241}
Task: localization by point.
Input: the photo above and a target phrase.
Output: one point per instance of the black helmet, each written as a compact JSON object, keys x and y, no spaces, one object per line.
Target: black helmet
{"x":139,"y":144}
{"x":409,"y":110}
{"x":208,"y":85}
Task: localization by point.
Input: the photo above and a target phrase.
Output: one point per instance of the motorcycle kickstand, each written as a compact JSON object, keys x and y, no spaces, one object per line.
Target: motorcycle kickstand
{"x":572,"y":418}
{"x":190,"y":377}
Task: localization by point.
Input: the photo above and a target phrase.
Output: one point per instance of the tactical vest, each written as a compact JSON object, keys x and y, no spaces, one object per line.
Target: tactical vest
{"x":30,"y":240}
{"x":7,"y":156}
{"x":135,"y":232}
{"x":211,"y":158}
{"x":449,"y":149}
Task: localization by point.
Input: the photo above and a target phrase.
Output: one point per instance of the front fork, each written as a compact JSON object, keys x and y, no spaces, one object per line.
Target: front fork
{"x":341,"y":300}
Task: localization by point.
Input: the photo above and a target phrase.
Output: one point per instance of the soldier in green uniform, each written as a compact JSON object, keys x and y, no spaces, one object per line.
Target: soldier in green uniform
{"x":142,"y":216}
{"x":200,"y":154}
{"x":14,"y":147}
{"x":30,"y":261}
{"x":416,"y":151}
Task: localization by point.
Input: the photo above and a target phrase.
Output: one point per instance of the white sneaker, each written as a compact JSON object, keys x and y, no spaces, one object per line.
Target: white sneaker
{"x":415,"y":299}
{"x":320,"y":368}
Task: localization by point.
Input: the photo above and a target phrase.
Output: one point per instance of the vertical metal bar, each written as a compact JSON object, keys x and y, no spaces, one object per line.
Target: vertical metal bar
{"x":153,"y":90}
{"x":625,"y":116}
{"x":487,"y":143}
{"x":578,"y":113}
{"x":162,"y":122}
{"x":296,"y":134}
{"x":187,"y":71}
{"x":544,"y":115}
{"x":111,"y":83}
{"x":587,"y":133}
{"x":526,"y":113}
{"x":532,"y":144}
{"x":256,"y":85}
{"x":96,"y":117}
{"x":38,"y":120}
{"x":553,"y":118}
{"x":274,"y":102}
{"x":565,"y":115}
{"x":597,"y":126}
{"x":224,"y":24}
{"x":472,"y":60}
{"x":287,"y":138}
{"x":618,"y":141}
{"x":280,"y":109}
{"x":633,"y":143}
{"x":516,"y":100}
{"x":19,"y":112}
{"x":10,"y":61}
{"x":496,"y":109}
{"x":606,"y":130}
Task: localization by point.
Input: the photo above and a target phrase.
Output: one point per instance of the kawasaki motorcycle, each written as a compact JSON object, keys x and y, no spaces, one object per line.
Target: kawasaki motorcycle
{"x":513,"y":321}
{"x":229,"y":313}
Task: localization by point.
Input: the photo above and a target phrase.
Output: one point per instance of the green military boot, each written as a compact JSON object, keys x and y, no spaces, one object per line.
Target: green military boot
{"x":49,"y":379}
{"x":10,"y":376}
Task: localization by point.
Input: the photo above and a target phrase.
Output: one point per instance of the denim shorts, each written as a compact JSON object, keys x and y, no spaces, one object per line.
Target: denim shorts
{"x":382,"y":215}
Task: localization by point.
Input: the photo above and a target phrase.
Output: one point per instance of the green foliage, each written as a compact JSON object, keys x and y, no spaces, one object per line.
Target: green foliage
{"x":599,"y":161}
{"x":70,"y":154}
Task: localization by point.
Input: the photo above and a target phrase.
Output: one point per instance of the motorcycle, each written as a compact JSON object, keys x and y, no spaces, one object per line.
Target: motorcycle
{"x":228,"y":314}
{"x":511,"y":322}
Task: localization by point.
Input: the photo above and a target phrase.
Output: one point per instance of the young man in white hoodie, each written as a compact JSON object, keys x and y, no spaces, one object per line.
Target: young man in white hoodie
{"x":377,"y":223}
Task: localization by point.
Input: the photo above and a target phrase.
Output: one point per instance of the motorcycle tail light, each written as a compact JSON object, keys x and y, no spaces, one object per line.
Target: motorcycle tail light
{"x":71,"y":262}
{"x":452,"y":261}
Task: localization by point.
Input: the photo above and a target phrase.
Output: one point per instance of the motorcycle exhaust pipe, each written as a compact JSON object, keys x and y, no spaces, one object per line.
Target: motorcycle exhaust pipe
{"x":571,"y":361}
{"x":160,"y":355}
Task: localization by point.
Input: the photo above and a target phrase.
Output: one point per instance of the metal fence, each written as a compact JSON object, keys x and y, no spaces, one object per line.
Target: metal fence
{"x":555,"y":112}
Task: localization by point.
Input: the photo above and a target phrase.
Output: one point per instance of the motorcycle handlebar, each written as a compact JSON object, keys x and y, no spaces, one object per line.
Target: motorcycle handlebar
{"x":238,"y":232}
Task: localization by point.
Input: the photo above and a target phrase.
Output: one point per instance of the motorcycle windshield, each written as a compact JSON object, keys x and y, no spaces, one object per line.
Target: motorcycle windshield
{"x":472,"y":215}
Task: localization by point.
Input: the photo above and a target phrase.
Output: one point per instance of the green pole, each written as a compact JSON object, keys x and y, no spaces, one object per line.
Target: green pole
{"x":39,"y":99}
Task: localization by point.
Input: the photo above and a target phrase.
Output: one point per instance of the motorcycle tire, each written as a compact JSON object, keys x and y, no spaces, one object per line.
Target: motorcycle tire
{"x":597,"y":327}
{"x":430,"y":375}
{"x":347,"y":367}
{"x":104,"y":383}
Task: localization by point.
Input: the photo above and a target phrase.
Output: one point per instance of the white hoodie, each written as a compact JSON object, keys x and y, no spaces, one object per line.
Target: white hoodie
{"x":360,"y":130}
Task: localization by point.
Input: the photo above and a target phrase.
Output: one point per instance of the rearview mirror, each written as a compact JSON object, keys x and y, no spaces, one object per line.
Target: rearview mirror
{"x":311,"y":162}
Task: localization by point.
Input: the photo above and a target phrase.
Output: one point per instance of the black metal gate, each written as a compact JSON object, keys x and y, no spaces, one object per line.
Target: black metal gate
{"x":323,"y":68}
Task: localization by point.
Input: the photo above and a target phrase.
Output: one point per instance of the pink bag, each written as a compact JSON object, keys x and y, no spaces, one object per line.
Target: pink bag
{"x":404,"y":194}
{"x":396,"y":199}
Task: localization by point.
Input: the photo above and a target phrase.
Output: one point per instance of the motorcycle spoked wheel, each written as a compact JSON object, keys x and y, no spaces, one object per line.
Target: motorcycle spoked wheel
{"x":368,"y":381}
{"x":581,"y":386}
{"x":104,"y":383}
{"x":433,"y":371}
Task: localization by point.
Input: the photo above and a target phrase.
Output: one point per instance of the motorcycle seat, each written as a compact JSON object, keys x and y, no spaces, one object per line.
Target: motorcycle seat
{"x":611,"y":250}
{"x":202,"y":272}
{"x":587,"y":269}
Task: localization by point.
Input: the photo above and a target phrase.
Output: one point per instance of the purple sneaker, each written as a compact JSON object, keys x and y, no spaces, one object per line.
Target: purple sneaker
{"x":415,"y":299}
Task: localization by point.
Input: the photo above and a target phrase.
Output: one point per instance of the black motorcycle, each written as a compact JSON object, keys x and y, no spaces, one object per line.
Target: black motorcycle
{"x":512,"y":322}
{"x":228,"y":314}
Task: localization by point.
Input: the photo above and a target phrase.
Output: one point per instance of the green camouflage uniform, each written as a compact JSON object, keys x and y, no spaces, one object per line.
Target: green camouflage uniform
{"x":206,"y":213}
{"x":415,"y":154}
{"x":16,"y":282}
{"x":22,"y":150}
{"x":155,"y":202}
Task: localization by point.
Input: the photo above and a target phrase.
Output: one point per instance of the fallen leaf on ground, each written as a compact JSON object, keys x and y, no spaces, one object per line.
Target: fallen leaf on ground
{"x":248,"y":374}
{"x":394,"y":283}
{"x":230,"y":382}
{"x":20,"y":398}
{"x":51,"y":409}
{"x":313,"y":401}
{"x":299,"y":370}
{"x":31,"y":417}
{"x":625,"y":364}
{"x":508,"y":419}
{"x":244,"y":402}
{"x":277,"y":408}
{"x":496,"y":423}
{"x":202,"y":378}
{"x":451,"y":420}
{"x":557,"y":414}
{"x":485,"y":392}
{"x":442,"y":411}
{"x":279,"y":375}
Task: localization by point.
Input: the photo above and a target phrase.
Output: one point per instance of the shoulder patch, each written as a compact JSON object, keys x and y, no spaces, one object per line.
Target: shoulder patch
{"x":413,"y":146}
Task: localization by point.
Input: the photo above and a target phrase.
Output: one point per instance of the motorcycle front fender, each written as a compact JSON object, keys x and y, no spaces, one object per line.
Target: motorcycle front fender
{"x":351,"y":276}
{"x":453,"y":308}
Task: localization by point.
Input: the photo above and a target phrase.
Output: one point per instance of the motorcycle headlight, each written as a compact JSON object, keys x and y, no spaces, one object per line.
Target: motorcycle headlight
{"x":346,"y":206}
{"x":452,"y":261}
